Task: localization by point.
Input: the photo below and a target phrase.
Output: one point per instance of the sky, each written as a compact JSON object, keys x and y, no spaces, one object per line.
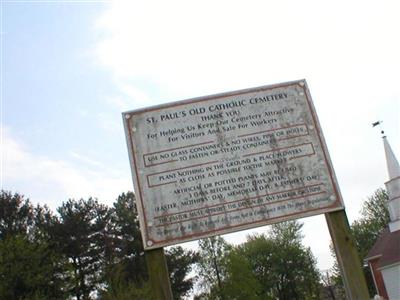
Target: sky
{"x":69,"y":68}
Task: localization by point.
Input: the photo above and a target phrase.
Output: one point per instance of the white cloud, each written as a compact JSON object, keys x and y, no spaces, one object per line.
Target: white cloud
{"x":118,"y":102}
{"x":134,"y":95}
{"x":51,"y":181}
{"x":109,"y":122}
{"x":85,"y":159}
{"x":183,"y":45}
{"x":129,"y":97}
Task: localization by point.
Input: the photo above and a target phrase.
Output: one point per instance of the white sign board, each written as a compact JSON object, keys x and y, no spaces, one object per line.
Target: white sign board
{"x":228,"y":162}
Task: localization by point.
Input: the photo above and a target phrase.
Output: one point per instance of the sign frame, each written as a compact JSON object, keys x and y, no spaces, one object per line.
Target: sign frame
{"x":138,"y":178}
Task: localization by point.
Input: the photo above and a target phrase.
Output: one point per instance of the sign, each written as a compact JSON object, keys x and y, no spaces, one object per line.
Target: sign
{"x":228,"y":162}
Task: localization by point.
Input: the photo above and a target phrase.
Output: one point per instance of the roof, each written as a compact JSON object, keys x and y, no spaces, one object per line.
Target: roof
{"x":387,"y":248}
{"x":391,"y":254}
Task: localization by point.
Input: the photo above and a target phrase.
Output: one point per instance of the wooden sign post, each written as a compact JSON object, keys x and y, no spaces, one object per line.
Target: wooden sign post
{"x":233,"y":161}
{"x":158,"y":274}
{"x":347,"y":256}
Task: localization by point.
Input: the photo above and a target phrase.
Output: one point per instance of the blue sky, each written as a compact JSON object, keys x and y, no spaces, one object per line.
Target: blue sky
{"x":52,"y":89}
{"x":54,"y":101}
{"x":70,"y":68}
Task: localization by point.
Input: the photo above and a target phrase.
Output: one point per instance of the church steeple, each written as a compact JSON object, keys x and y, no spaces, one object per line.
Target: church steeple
{"x":391,"y":160}
{"x":393,"y":186}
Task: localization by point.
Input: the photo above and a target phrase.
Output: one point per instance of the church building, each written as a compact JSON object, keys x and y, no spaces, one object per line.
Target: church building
{"x":384,"y":257}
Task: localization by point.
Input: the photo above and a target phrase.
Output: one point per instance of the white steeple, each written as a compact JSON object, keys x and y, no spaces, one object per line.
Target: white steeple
{"x":393,"y":187}
{"x":391,"y":160}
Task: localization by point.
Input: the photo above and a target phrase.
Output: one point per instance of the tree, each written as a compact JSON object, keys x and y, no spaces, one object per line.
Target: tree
{"x":273,"y":266}
{"x":240,"y":282}
{"x":80,"y":234}
{"x":28,"y":269}
{"x":127,"y":262}
{"x":118,"y":288}
{"x":374,"y":219}
{"x":88,"y":250}
{"x":329,"y":289}
{"x":211,"y":264}
{"x":29,"y":266}
{"x":180,"y":263}
{"x":284,"y":268}
{"x":287,"y":233}
{"x":366,"y":230}
{"x":126,"y":243}
{"x":16,"y":214}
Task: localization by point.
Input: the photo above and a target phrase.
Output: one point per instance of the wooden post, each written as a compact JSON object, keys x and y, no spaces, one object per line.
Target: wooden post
{"x":347,"y":256}
{"x":158,"y":273}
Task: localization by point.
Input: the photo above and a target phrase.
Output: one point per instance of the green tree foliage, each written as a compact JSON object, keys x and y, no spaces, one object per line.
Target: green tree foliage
{"x":127,"y":254}
{"x":366,"y":230}
{"x":127,"y":261}
{"x":128,"y":257}
{"x":284,"y":268}
{"x":16,"y":214}
{"x":29,"y":266}
{"x":287,"y":233}
{"x":180,"y":263}
{"x":28,"y":269}
{"x":118,"y":288}
{"x":211,"y":265}
{"x":273,"y":266}
{"x":374,"y":219}
{"x":80,"y":235}
{"x":240,"y":282}
{"x":329,"y":288}
{"x":87,"y":250}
